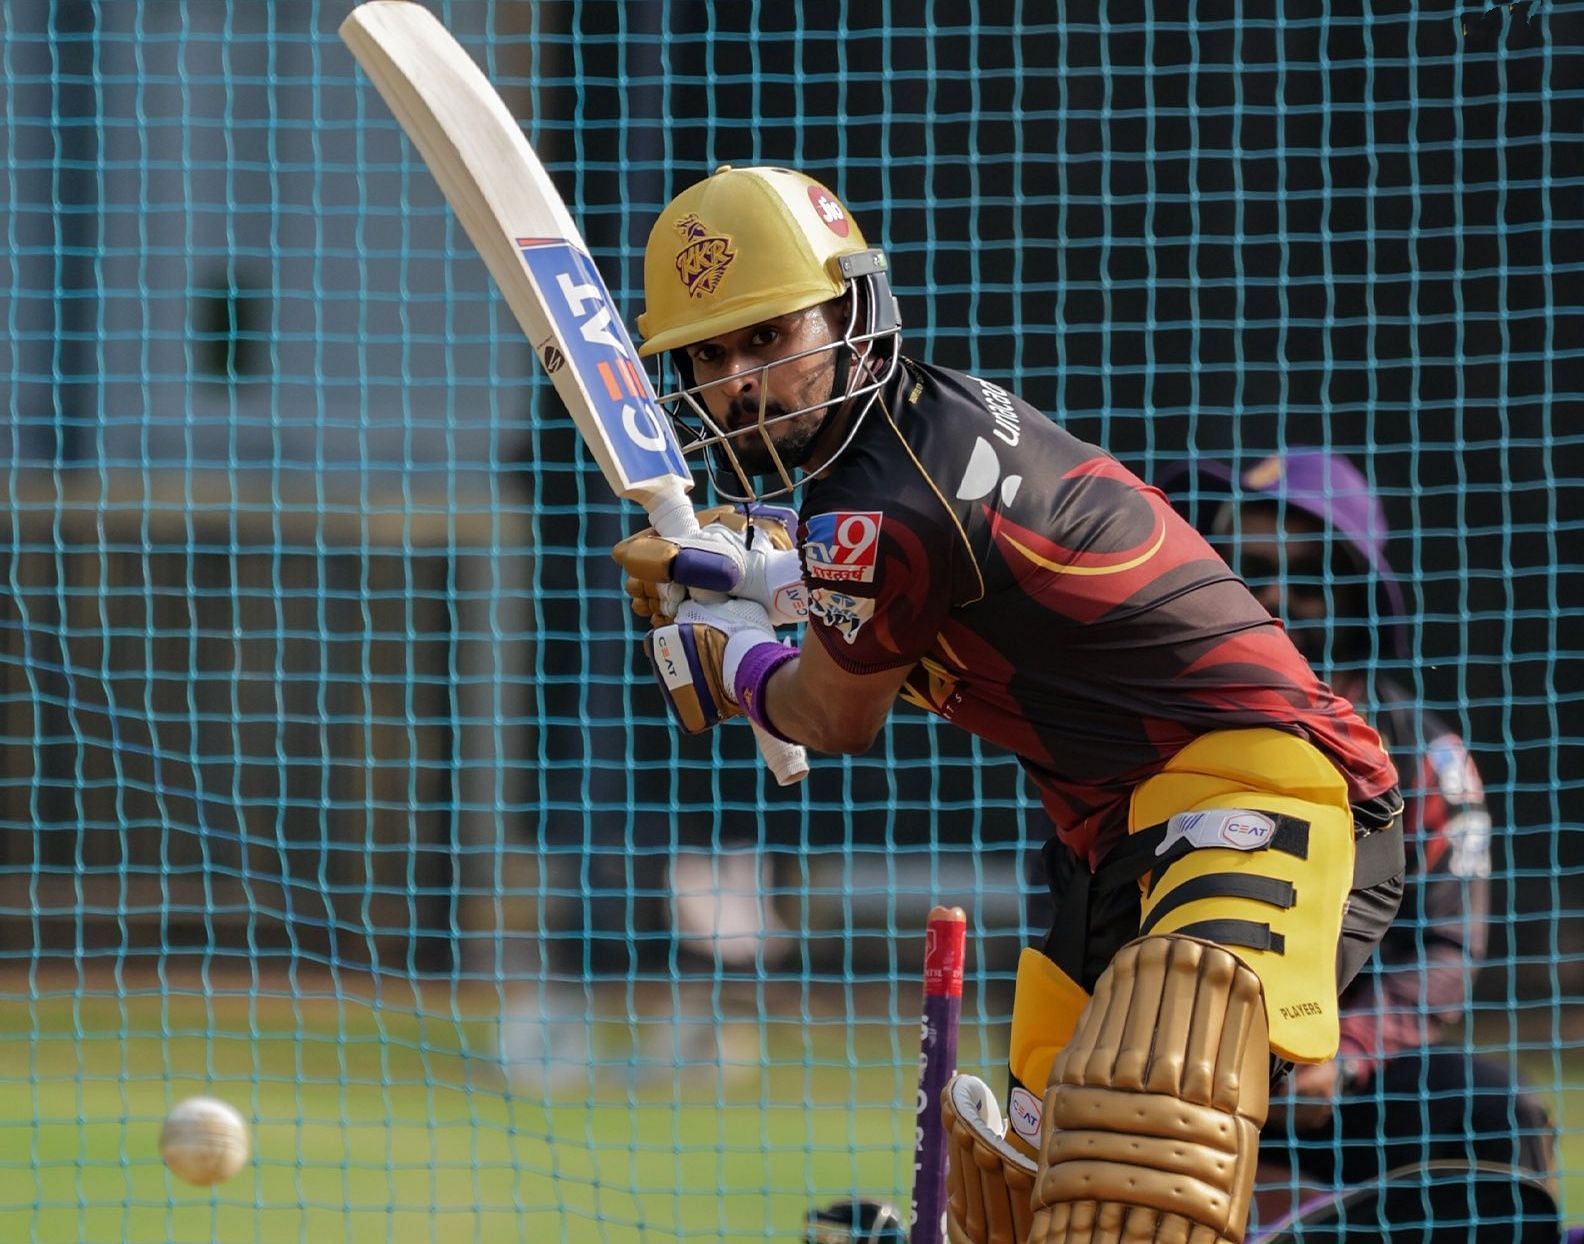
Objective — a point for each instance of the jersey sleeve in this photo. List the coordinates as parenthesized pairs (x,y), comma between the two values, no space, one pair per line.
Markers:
(879,583)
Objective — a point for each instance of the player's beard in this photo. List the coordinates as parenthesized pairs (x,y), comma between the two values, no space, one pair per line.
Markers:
(752,428)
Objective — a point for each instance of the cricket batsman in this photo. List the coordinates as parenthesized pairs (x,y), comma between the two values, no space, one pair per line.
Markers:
(1226,848)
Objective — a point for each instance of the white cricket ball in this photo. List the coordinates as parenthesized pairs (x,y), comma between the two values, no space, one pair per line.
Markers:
(204,1141)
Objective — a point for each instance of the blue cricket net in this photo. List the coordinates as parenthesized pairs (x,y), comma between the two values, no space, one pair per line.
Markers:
(334,782)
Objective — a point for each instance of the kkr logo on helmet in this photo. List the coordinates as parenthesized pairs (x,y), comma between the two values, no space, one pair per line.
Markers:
(703,261)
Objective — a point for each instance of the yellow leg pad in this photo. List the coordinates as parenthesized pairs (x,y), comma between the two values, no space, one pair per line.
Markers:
(1299,978)
(1045,1011)
(1153,1110)
(1270,772)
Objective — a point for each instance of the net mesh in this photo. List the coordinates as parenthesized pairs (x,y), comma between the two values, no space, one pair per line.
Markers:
(333,784)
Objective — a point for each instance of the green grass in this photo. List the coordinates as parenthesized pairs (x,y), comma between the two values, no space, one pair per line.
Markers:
(379,1122)
(378,1119)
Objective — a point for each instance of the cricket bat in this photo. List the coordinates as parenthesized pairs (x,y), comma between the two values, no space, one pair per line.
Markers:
(522,230)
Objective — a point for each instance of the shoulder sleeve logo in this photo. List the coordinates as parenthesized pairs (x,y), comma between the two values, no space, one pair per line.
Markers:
(843,613)
(702,263)
(842,545)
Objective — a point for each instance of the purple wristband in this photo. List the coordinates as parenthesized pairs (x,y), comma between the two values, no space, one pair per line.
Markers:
(753,672)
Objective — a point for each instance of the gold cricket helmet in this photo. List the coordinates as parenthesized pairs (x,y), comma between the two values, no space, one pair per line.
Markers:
(742,246)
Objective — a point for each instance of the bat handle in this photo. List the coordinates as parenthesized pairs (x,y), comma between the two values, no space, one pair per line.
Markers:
(788,761)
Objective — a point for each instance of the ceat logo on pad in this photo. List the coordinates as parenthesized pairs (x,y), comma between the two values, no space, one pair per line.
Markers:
(1024,1111)
(1247,831)
(830,211)
(842,546)
(1240,828)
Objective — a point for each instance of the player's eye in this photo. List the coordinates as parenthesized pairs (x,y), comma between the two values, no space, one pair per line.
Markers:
(704,354)
(765,335)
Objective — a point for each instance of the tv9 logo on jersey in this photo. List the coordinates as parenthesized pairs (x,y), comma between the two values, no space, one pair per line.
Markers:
(842,546)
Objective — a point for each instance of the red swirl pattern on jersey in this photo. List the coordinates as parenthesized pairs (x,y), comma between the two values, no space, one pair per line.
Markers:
(1052,603)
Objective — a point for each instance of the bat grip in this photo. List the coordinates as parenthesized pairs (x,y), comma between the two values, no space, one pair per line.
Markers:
(788,761)
(672,514)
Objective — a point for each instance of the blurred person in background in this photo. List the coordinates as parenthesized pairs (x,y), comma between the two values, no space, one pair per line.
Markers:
(669,928)
(1308,536)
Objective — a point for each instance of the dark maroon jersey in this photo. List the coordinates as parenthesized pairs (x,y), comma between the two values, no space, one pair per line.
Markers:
(1049,601)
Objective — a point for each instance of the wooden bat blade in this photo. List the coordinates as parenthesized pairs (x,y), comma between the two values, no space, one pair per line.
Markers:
(516,220)
(518,224)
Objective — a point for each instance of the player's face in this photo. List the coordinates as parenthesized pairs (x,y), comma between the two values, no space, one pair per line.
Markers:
(752,382)
(1286,561)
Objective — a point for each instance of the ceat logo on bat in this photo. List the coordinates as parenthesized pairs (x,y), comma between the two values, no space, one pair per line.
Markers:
(601,353)
(841,546)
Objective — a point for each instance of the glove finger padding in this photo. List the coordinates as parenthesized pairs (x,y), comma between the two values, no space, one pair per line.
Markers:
(1152,1114)
(653,602)
(751,555)
(695,658)
(647,557)
(988,1182)
(687,661)
(658,567)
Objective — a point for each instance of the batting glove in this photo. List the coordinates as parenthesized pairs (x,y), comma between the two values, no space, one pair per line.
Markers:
(700,658)
(989,1178)
(751,555)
